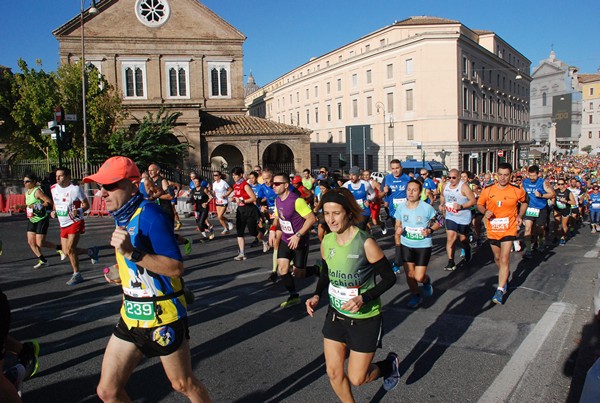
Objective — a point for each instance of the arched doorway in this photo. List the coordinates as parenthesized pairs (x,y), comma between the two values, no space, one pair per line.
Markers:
(278,158)
(225,157)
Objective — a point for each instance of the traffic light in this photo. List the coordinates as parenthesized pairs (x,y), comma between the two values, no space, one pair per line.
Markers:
(66,142)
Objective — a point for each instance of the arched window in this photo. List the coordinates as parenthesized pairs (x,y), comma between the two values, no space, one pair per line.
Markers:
(134,76)
(543,99)
(220,81)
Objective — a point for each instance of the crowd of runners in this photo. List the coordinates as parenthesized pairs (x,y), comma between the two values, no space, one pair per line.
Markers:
(516,211)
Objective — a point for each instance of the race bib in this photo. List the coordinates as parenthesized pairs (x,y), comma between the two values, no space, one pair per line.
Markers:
(286,227)
(532,212)
(560,205)
(398,202)
(62,211)
(450,208)
(596,206)
(499,224)
(360,202)
(29,212)
(338,296)
(139,310)
(414,234)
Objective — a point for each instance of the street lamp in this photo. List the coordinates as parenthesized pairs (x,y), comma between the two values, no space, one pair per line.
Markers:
(379,105)
(92,11)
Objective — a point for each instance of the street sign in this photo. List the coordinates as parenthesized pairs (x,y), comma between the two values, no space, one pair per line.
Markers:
(71,117)
(523,155)
(474,155)
(48,131)
(500,153)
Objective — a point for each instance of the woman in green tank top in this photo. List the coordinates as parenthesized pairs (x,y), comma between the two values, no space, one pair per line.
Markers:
(351,261)
(38,204)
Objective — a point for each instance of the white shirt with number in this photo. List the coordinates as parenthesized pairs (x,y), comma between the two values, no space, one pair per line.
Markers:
(67,201)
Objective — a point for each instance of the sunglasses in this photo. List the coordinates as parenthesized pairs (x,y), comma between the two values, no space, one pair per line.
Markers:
(321,172)
(27,181)
(108,188)
(452,177)
(278,183)
(561,183)
(216,176)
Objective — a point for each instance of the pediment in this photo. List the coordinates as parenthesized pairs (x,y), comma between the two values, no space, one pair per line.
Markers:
(546,69)
(188,20)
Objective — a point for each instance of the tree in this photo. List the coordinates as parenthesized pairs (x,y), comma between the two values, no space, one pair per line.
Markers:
(152,142)
(34,96)
(104,109)
(587,149)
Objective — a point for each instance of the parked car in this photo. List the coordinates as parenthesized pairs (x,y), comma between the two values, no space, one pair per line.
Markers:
(378,176)
(436,169)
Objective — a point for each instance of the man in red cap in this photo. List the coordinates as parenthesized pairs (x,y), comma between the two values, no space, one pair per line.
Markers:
(153,318)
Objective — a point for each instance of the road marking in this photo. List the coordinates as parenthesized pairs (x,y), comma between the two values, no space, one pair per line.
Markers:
(506,382)
(594,252)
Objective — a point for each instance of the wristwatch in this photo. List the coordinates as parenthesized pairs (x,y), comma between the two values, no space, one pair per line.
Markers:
(136,256)
(299,235)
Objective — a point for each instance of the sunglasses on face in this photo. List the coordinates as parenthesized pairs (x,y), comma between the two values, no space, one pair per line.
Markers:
(561,183)
(278,183)
(108,188)
(27,181)
(452,177)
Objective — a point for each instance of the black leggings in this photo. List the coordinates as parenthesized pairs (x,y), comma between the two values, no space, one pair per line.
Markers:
(201,217)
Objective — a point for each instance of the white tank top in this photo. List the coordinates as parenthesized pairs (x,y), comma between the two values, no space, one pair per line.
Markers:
(452,196)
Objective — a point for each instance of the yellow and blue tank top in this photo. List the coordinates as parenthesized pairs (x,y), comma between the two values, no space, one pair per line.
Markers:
(150,299)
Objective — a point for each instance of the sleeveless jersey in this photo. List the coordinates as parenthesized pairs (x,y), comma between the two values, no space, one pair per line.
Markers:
(307,183)
(150,299)
(350,273)
(576,193)
(291,213)
(530,188)
(563,195)
(397,193)
(239,191)
(360,194)
(38,212)
(451,196)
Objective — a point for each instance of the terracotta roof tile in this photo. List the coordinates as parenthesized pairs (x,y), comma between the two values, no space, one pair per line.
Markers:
(425,20)
(588,78)
(235,125)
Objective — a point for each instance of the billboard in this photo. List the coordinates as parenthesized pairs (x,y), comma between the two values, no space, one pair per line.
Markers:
(561,114)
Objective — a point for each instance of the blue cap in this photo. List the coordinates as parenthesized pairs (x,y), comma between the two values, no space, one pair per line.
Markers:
(321,177)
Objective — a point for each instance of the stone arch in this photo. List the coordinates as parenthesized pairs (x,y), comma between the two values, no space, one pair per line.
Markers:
(278,156)
(226,156)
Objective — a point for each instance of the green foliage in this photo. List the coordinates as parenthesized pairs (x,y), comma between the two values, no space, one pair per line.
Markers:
(587,149)
(152,142)
(33,96)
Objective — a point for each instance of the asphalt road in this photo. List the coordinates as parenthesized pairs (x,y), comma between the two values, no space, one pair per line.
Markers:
(457,347)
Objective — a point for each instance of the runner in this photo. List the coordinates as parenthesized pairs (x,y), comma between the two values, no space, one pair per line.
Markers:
(428,192)
(267,201)
(455,201)
(153,318)
(257,188)
(538,192)
(376,202)
(563,202)
(351,260)
(38,204)
(221,192)
(502,216)
(415,223)
(295,220)
(200,198)
(575,213)
(363,193)
(69,205)
(595,209)
(394,191)
(246,213)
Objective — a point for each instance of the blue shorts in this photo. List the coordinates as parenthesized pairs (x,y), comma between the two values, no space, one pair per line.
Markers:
(463,229)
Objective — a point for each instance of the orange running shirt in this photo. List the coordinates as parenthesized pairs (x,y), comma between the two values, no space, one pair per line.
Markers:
(504,204)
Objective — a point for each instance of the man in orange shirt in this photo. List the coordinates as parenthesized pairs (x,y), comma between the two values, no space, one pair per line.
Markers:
(502,215)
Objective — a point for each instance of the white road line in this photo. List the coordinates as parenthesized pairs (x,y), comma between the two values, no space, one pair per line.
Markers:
(506,382)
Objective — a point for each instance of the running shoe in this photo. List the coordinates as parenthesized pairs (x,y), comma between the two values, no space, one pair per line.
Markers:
(16,375)
(225,232)
(528,254)
(266,246)
(391,381)
(93,254)
(76,278)
(427,288)
(497,298)
(292,300)
(41,263)
(229,225)
(517,246)
(468,255)
(211,234)
(187,245)
(29,357)
(462,253)
(62,254)
(273,277)
(177,225)
(593,230)
(383,228)
(562,242)
(451,266)
(396,268)
(414,301)
(204,234)
(240,256)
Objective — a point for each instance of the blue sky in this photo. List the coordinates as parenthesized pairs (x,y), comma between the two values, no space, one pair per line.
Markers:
(283,34)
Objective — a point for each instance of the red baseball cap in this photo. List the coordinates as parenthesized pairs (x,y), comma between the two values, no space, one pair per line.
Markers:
(297,179)
(113,170)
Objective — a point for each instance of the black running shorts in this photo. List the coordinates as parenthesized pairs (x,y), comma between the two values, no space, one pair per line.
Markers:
(155,341)
(40,227)
(418,256)
(298,255)
(360,335)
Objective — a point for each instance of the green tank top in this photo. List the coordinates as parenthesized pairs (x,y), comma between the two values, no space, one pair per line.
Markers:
(350,274)
(307,183)
(38,212)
